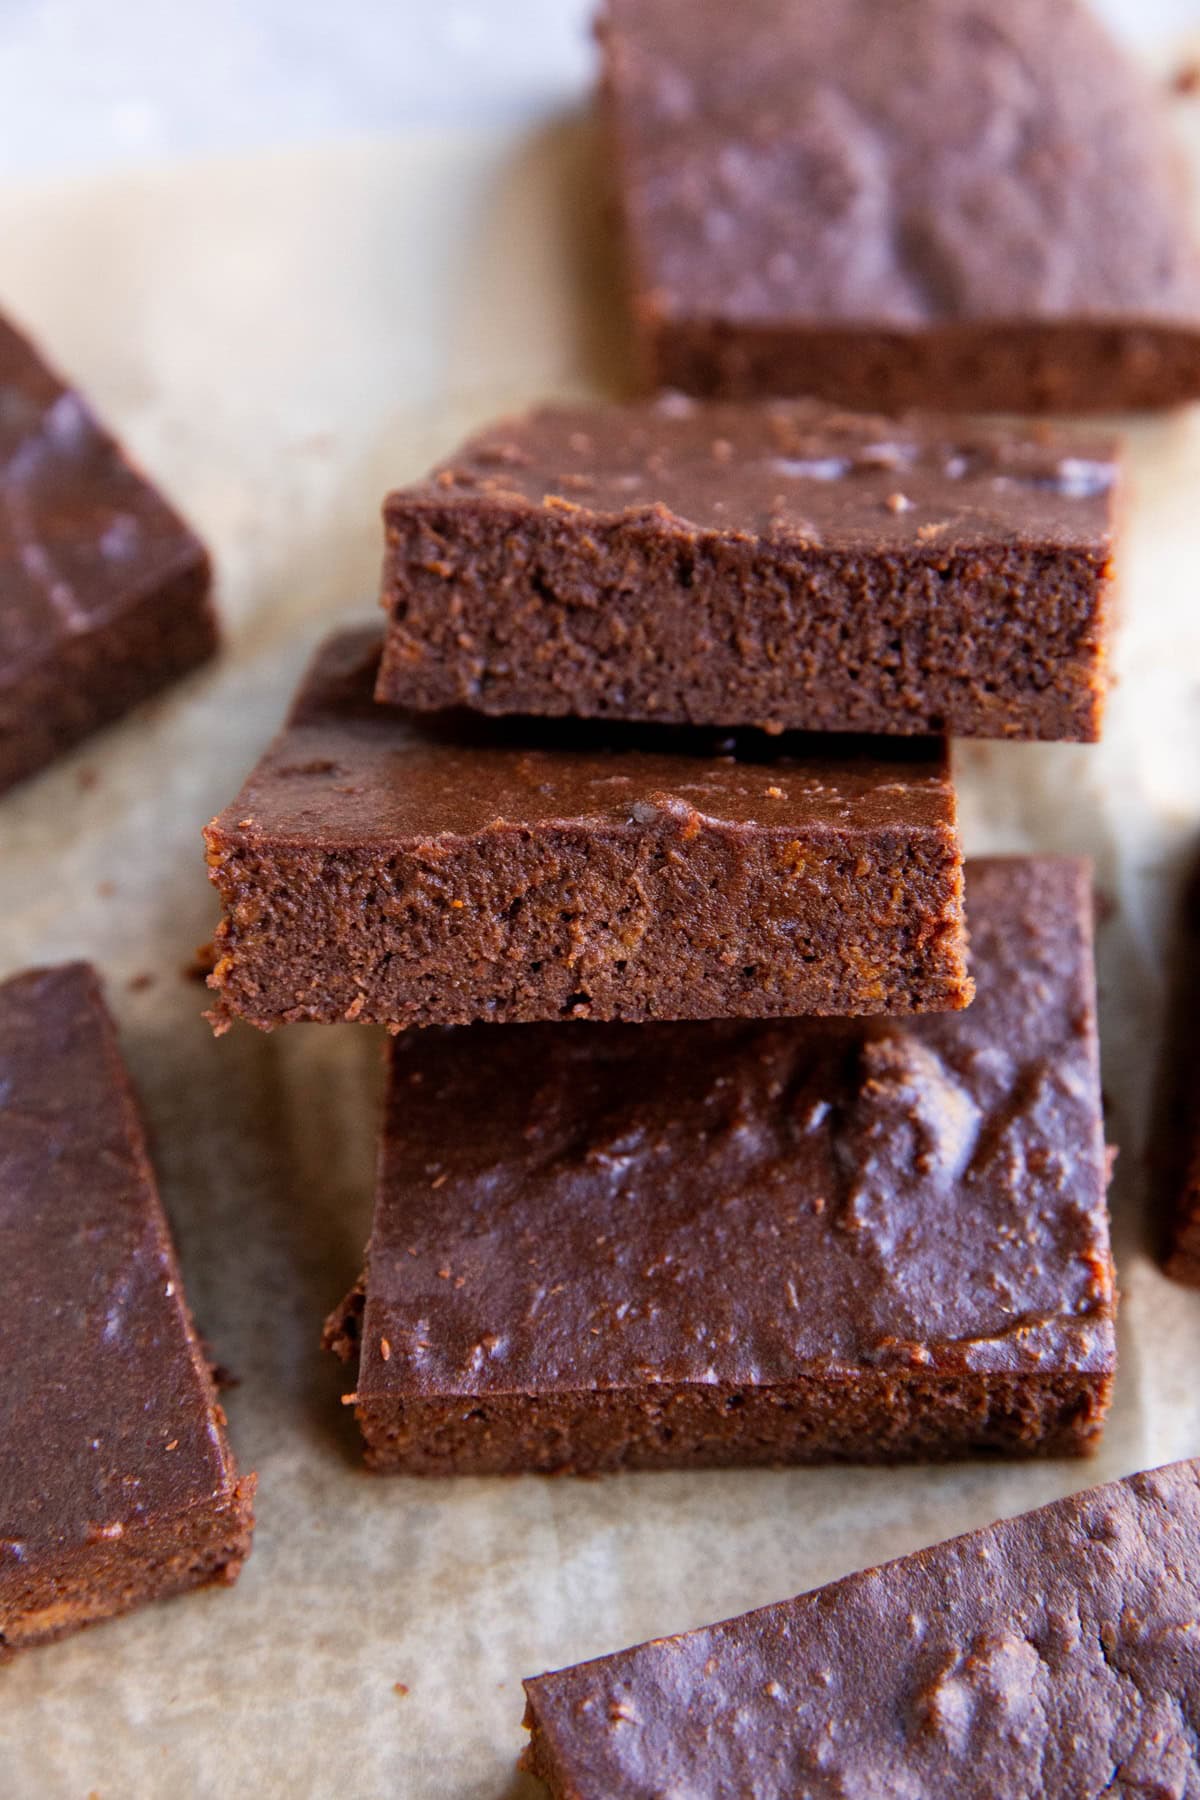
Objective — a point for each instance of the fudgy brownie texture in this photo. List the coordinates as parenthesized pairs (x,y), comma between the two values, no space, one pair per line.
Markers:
(1055,1654)
(104,592)
(387,867)
(786,566)
(116,1481)
(940,204)
(684,1245)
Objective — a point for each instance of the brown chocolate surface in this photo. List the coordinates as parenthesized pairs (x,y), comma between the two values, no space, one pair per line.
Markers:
(936,202)
(788,566)
(674,1245)
(388,868)
(1053,1654)
(116,1480)
(104,592)
(1175,1137)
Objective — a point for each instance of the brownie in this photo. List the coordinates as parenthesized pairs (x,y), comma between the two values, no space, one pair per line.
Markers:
(1175,1132)
(406,869)
(1183,1250)
(943,204)
(116,1481)
(1053,1654)
(104,592)
(693,1244)
(786,566)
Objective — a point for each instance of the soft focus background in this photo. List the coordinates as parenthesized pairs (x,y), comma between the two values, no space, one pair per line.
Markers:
(293,252)
(84,84)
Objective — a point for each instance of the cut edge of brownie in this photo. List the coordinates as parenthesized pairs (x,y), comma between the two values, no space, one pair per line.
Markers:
(203,1545)
(59,702)
(909,667)
(1028,367)
(868,1418)
(1173,1142)
(276,985)
(900,884)
(834,1417)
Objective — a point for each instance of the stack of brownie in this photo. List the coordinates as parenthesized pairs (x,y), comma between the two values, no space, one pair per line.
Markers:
(701,1161)
(641,806)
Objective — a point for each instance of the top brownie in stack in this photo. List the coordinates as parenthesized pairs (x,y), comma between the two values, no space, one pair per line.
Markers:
(788,566)
(952,204)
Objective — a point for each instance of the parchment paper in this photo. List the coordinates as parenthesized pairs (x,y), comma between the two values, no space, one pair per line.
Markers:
(280,339)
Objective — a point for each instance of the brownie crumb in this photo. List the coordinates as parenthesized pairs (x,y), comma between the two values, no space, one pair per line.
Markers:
(1105,904)
(202,963)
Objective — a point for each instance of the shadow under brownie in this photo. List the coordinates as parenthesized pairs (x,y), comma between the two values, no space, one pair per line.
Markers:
(690,1245)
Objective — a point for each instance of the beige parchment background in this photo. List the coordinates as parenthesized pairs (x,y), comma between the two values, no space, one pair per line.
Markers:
(279,339)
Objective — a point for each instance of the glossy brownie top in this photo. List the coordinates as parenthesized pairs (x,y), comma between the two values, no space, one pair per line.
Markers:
(82,533)
(611,1205)
(346,771)
(107,1417)
(799,474)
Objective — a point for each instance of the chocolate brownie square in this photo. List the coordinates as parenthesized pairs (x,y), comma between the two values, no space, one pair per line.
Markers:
(104,591)
(940,204)
(678,1246)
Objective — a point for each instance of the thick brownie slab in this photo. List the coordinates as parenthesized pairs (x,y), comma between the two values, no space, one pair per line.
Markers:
(385,867)
(104,592)
(116,1481)
(1053,1654)
(680,1245)
(940,204)
(786,566)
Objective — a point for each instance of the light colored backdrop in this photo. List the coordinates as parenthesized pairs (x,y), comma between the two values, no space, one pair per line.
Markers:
(85,84)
